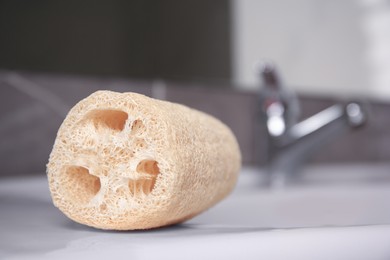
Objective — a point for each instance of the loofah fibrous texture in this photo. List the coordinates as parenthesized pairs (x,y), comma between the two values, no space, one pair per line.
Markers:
(124,161)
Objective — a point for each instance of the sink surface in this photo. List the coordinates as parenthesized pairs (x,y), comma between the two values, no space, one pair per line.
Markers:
(324,196)
(333,212)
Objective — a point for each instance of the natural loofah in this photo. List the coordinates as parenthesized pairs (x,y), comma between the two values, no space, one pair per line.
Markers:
(126,161)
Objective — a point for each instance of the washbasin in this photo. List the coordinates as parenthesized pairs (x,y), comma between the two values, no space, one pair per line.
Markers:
(324,215)
(331,195)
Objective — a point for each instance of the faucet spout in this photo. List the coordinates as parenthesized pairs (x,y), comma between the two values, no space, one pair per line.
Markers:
(291,143)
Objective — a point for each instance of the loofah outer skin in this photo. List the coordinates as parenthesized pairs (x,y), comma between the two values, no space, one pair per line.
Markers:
(124,161)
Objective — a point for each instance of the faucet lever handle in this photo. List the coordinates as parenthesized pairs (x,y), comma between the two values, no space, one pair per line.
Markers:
(274,94)
(269,75)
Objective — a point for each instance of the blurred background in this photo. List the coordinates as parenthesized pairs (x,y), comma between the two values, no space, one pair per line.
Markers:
(184,40)
(201,53)
(204,54)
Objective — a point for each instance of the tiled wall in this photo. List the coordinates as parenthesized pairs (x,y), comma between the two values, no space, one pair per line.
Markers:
(33,106)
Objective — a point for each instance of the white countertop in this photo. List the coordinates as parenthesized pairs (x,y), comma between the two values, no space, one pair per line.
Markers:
(314,222)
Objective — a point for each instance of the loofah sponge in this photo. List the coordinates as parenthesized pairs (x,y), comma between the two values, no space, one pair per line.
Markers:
(125,161)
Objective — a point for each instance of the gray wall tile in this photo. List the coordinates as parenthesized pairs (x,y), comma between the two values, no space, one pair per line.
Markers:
(29,122)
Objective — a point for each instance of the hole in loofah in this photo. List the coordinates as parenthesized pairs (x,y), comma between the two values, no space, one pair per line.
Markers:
(141,186)
(113,119)
(80,185)
(144,185)
(137,127)
(148,166)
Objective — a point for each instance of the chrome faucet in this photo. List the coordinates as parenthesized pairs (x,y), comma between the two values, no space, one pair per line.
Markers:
(289,142)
